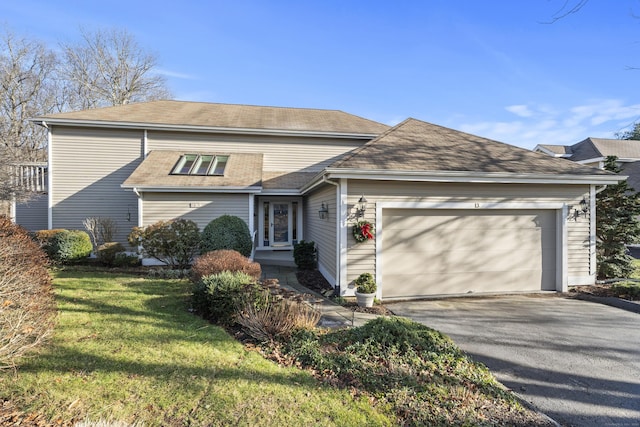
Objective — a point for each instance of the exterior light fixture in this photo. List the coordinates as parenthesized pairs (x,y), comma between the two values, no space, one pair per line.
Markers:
(583,210)
(361,207)
(324,211)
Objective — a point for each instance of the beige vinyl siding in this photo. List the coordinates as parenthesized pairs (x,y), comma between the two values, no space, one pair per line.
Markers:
(362,257)
(285,153)
(322,231)
(578,255)
(33,214)
(198,207)
(87,167)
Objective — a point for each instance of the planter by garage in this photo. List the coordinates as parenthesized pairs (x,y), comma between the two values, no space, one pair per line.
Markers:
(365,300)
(365,290)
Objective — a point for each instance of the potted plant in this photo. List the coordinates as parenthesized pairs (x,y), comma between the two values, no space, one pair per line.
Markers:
(365,290)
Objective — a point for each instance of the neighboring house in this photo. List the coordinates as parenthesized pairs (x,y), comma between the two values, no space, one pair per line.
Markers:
(454,213)
(594,151)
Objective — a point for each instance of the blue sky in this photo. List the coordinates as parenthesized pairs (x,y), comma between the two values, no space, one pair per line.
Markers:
(495,68)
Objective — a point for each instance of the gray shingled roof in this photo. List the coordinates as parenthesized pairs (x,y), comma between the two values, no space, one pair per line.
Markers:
(242,170)
(593,148)
(414,145)
(208,115)
(557,149)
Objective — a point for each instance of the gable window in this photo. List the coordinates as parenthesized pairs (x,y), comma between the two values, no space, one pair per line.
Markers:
(200,164)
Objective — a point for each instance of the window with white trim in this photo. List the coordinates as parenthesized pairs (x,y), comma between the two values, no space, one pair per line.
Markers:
(201,164)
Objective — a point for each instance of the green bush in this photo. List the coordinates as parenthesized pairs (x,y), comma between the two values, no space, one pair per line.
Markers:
(365,284)
(174,242)
(227,232)
(218,296)
(69,246)
(43,238)
(304,255)
(106,253)
(627,290)
(415,371)
(223,260)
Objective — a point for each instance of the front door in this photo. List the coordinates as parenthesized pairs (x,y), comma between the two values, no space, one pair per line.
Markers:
(279,222)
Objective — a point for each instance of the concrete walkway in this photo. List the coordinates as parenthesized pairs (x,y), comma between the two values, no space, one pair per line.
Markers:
(332,315)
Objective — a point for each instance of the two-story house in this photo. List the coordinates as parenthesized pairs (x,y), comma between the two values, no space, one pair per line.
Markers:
(453,213)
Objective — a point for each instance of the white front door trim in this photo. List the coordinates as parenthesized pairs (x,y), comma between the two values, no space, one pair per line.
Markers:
(269,236)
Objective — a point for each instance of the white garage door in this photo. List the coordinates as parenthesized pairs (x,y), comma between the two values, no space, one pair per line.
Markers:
(437,251)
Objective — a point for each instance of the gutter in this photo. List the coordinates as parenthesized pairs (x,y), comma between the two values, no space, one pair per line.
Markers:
(137,189)
(190,128)
(474,177)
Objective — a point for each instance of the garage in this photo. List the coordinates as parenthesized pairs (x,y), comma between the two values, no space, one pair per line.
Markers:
(459,251)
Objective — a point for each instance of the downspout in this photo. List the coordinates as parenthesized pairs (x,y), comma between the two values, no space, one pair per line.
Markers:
(338,231)
(49,177)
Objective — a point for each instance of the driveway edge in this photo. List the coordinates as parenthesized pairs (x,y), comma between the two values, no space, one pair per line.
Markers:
(623,304)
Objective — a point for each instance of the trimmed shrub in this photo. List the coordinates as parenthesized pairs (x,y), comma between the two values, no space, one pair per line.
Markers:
(107,252)
(223,260)
(174,242)
(43,238)
(365,284)
(26,299)
(305,255)
(217,297)
(227,232)
(70,246)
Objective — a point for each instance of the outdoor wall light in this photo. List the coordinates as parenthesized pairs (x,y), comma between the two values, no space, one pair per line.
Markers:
(324,211)
(361,207)
(583,210)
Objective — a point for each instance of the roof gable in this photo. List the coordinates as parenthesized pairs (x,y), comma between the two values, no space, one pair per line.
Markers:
(414,145)
(594,148)
(223,116)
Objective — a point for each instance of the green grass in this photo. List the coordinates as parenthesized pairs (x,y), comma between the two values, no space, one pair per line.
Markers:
(126,348)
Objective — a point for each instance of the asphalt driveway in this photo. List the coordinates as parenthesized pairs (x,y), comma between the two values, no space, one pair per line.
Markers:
(577,361)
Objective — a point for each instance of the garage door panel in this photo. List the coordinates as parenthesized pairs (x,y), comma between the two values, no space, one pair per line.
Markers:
(412,286)
(412,241)
(435,251)
(451,219)
(442,261)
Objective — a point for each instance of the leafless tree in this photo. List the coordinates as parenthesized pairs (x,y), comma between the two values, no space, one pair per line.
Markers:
(107,68)
(27,89)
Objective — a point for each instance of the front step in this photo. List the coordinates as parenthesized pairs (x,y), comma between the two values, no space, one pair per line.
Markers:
(282,258)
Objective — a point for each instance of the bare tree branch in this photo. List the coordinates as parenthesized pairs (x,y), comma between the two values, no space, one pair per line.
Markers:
(109,68)
(566,10)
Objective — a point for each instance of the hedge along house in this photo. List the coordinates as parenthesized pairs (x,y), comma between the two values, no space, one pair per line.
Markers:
(453,213)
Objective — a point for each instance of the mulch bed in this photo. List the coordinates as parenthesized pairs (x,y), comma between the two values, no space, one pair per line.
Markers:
(600,291)
(315,281)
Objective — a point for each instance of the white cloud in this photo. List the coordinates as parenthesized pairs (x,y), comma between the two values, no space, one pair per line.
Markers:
(520,110)
(537,124)
(175,74)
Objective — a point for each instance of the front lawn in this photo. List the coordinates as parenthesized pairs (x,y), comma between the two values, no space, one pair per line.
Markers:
(126,348)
